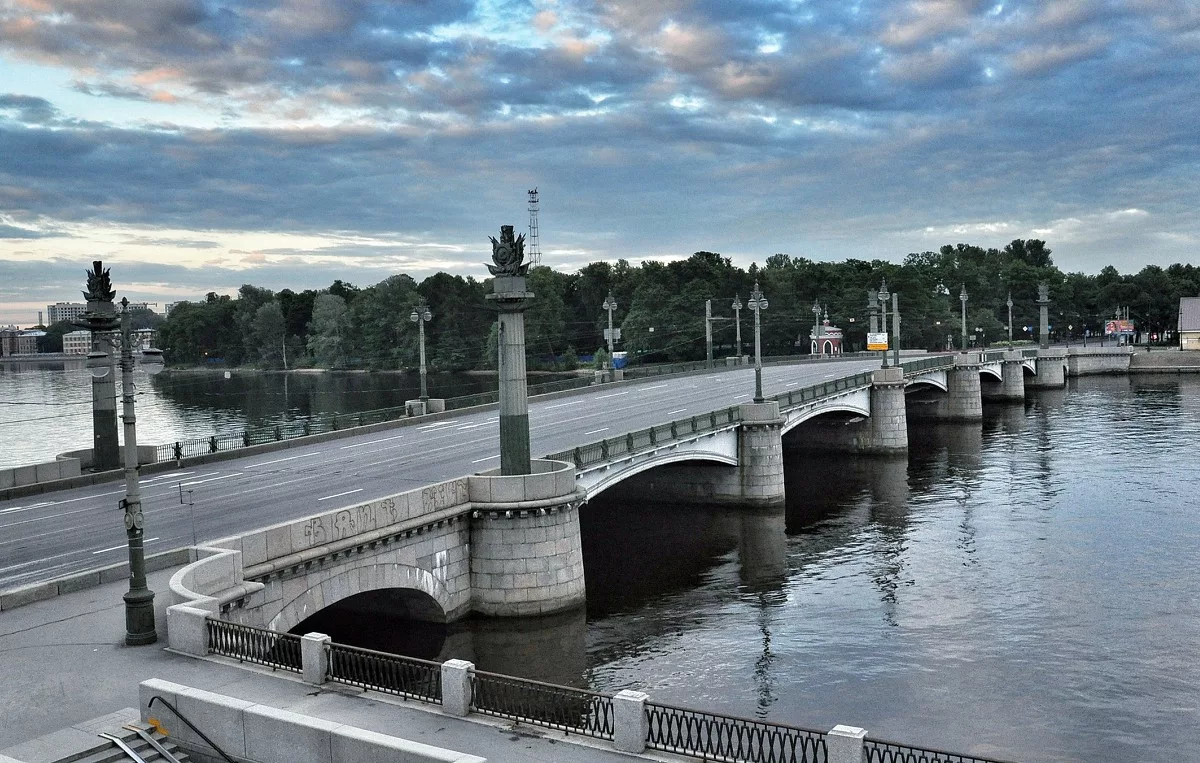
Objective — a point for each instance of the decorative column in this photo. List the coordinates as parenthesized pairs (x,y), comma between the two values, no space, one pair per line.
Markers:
(101,320)
(510,298)
(1043,302)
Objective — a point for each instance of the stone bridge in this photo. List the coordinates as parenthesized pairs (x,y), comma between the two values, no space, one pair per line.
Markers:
(510,546)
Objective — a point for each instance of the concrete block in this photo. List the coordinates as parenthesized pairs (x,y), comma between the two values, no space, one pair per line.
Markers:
(187,629)
(19,597)
(24,475)
(314,657)
(47,471)
(354,745)
(630,725)
(281,736)
(844,744)
(7,479)
(279,541)
(508,489)
(221,718)
(456,687)
(479,489)
(78,582)
(254,548)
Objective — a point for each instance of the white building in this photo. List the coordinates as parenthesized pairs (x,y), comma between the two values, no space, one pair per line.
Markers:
(77,342)
(65,311)
(1189,323)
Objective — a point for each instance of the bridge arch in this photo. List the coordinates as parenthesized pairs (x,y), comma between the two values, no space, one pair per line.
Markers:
(351,582)
(992,370)
(845,405)
(618,473)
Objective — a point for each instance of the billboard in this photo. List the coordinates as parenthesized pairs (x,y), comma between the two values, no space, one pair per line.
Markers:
(1112,328)
(877,341)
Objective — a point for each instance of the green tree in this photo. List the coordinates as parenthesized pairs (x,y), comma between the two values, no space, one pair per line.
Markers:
(329,331)
(270,334)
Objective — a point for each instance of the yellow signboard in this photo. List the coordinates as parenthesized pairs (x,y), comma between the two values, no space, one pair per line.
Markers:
(877,341)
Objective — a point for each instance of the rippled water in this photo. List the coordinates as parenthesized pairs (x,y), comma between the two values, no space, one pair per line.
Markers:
(45,406)
(1027,589)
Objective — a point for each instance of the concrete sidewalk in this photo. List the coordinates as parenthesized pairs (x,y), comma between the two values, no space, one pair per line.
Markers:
(63,661)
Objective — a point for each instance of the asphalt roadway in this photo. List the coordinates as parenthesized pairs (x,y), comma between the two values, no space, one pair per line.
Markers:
(54,534)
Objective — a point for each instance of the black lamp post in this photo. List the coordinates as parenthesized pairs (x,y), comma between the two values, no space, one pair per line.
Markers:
(884,296)
(757,303)
(737,322)
(420,316)
(962,296)
(610,304)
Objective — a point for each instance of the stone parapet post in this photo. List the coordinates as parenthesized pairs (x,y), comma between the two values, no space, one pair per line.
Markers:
(456,687)
(963,400)
(1051,369)
(630,725)
(760,455)
(844,744)
(187,630)
(1012,388)
(888,432)
(314,657)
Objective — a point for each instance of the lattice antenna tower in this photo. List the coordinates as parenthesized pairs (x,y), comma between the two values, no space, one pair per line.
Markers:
(535,249)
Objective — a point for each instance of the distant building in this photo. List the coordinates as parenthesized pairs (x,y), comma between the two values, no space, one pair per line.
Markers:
(1189,323)
(65,311)
(77,342)
(8,340)
(826,339)
(27,342)
(172,305)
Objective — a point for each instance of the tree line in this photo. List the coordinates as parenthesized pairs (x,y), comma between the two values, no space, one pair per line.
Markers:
(661,309)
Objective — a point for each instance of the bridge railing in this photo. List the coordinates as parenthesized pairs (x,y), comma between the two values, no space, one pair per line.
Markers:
(1031,353)
(879,751)
(824,389)
(727,738)
(629,444)
(577,711)
(927,364)
(992,357)
(384,672)
(245,643)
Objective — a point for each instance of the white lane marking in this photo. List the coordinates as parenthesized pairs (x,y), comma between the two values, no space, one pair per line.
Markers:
(647,389)
(280,460)
(596,431)
(169,476)
(739,397)
(558,405)
(371,442)
(339,495)
(614,394)
(44,504)
(679,410)
(465,427)
(212,479)
(118,548)
(826,376)
(481,460)
(438,424)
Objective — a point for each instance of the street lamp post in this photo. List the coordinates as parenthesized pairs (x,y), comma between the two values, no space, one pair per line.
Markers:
(883,310)
(420,316)
(1009,302)
(962,295)
(139,599)
(610,304)
(816,308)
(757,303)
(737,323)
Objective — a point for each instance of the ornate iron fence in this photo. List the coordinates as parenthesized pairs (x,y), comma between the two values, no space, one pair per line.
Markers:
(385,673)
(824,389)
(247,643)
(927,364)
(878,751)
(558,707)
(727,738)
(1031,353)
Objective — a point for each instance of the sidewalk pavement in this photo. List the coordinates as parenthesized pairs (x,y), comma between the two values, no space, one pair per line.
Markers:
(64,661)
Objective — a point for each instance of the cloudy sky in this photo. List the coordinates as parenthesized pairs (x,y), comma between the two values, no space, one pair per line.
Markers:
(195,145)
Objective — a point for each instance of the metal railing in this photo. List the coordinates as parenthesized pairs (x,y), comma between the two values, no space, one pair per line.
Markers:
(577,711)
(992,357)
(824,389)
(727,738)
(644,439)
(927,364)
(1031,353)
(247,643)
(879,751)
(386,673)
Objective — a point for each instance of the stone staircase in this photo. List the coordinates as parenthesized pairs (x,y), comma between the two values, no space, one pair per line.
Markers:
(94,742)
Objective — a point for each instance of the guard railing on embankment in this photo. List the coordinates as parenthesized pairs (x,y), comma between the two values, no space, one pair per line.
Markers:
(668,728)
(173,451)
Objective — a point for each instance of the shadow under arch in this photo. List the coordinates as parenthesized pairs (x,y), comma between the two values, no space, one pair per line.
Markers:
(419,592)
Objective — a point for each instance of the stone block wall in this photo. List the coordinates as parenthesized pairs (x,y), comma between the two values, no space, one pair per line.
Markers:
(526,562)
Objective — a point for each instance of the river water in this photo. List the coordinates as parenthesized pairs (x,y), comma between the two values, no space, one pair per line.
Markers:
(1027,588)
(46,406)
